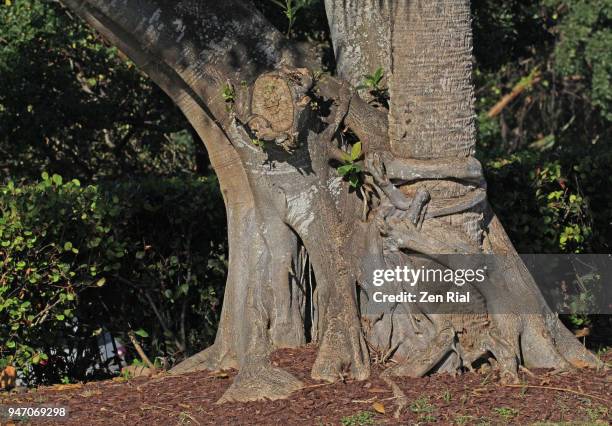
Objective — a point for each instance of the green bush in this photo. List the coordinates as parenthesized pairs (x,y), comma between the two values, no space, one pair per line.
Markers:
(76,261)
(547,153)
(72,104)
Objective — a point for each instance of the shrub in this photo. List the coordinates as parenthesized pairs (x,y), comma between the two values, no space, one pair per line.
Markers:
(76,261)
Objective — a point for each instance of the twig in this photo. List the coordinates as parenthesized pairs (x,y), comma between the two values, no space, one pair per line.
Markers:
(557,389)
(186,414)
(367,401)
(519,88)
(141,353)
(318,385)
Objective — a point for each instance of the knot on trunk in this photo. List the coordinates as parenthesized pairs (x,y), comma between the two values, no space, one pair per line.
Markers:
(278,101)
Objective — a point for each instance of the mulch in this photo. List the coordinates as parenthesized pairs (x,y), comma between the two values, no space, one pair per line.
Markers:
(472,398)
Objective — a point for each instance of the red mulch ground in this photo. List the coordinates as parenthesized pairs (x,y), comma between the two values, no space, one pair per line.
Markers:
(472,398)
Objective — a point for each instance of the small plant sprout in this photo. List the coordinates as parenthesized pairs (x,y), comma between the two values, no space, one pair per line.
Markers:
(505,412)
(350,170)
(363,418)
(291,8)
(421,405)
(258,142)
(372,81)
(228,93)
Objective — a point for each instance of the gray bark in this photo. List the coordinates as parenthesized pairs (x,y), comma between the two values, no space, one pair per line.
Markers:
(288,194)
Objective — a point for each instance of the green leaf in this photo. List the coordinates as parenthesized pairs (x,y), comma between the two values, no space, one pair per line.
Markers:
(344,170)
(378,74)
(346,157)
(184,289)
(279,4)
(57,179)
(101,282)
(141,333)
(356,151)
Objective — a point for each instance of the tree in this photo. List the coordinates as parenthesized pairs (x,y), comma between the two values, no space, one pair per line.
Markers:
(274,131)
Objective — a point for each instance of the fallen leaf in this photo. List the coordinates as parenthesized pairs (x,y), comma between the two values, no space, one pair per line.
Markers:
(8,376)
(219,375)
(578,363)
(378,390)
(583,332)
(136,371)
(89,393)
(66,386)
(378,407)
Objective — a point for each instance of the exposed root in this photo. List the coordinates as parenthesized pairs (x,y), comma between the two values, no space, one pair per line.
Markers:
(398,394)
(207,359)
(258,383)
(546,343)
(341,353)
(526,371)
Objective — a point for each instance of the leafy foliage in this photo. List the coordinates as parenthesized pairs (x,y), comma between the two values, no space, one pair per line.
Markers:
(549,148)
(546,154)
(76,260)
(45,231)
(372,81)
(373,84)
(291,8)
(116,251)
(585,38)
(228,93)
(363,418)
(69,102)
(350,170)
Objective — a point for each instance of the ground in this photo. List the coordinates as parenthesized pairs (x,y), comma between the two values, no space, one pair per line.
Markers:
(581,397)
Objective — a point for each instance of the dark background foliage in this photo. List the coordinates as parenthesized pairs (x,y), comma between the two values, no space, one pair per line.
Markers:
(111,220)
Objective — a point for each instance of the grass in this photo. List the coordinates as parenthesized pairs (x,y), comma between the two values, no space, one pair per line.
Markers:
(363,418)
(463,420)
(596,413)
(424,409)
(506,413)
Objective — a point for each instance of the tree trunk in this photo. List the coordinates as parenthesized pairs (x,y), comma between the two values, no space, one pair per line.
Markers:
(276,150)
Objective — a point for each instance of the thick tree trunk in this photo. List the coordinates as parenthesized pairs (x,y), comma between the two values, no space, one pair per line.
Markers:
(431,118)
(287,195)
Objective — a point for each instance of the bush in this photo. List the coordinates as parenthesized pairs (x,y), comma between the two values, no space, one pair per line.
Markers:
(76,261)
(70,103)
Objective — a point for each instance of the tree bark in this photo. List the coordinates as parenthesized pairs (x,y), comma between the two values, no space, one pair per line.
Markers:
(243,89)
